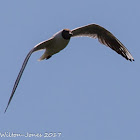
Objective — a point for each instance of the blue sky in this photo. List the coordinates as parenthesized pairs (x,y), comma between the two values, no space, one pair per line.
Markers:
(87,91)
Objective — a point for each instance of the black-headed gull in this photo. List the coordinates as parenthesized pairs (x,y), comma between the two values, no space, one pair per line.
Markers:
(61,39)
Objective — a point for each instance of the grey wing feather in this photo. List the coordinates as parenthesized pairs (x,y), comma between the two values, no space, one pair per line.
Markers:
(19,76)
(40,46)
(104,37)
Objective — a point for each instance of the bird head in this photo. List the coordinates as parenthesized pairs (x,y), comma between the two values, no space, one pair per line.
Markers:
(66,34)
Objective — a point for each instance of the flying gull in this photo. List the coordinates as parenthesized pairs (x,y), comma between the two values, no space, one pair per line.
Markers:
(61,39)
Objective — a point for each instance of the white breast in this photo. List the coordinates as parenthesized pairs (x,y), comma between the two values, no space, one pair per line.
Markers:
(59,43)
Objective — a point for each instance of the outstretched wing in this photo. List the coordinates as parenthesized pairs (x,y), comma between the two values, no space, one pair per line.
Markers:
(40,46)
(104,37)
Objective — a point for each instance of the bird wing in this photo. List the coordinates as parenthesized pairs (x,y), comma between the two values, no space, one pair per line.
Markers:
(104,37)
(40,46)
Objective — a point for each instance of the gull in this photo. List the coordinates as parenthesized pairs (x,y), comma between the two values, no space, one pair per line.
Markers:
(61,39)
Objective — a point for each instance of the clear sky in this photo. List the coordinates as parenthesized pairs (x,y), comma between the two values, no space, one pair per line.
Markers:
(87,91)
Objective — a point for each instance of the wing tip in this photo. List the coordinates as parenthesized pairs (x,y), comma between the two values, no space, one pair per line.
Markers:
(5,110)
(129,57)
(132,59)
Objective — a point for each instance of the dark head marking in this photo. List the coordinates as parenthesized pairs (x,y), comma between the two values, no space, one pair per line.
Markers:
(66,34)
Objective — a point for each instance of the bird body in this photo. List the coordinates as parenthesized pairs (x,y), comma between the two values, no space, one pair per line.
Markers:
(57,44)
(61,39)
(54,45)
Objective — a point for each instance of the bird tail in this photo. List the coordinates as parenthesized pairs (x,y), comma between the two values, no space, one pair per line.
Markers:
(44,56)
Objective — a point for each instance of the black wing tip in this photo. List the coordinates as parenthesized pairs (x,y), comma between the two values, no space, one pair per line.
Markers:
(7,106)
(131,59)
(5,109)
